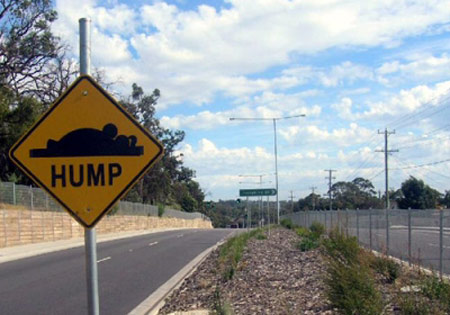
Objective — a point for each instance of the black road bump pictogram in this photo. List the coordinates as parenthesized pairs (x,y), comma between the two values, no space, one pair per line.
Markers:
(91,142)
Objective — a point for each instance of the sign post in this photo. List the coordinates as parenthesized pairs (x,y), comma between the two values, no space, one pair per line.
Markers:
(86,151)
(90,235)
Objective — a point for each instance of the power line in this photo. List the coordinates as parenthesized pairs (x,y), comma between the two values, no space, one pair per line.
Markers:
(423,174)
(426,106)
(373,177)
(422,165)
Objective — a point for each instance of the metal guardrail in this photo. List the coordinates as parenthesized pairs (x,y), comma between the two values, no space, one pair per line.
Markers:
(36,199)
(417,236)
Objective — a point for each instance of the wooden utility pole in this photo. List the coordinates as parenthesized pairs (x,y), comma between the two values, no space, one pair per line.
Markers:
(330,178)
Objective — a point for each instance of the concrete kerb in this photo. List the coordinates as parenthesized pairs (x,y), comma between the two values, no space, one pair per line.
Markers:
(29,250)
(152,304)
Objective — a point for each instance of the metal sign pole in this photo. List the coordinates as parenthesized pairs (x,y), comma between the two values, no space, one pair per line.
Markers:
(89,233)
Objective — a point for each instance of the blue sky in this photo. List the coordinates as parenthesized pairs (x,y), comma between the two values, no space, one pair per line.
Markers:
(351,67)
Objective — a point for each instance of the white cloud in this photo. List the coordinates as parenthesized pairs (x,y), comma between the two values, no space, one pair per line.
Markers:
(423,67)
(206,120)
(190,55)
(406,101)
(338,137)
(346,72)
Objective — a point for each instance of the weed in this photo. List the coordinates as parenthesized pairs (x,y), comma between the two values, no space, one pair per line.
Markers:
(220,306)
(231,252)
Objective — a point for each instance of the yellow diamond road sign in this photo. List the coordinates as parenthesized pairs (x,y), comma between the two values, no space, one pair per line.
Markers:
(86,151)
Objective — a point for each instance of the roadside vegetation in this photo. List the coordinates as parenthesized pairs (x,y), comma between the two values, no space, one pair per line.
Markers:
(360,282)
(231,252)
(230,255)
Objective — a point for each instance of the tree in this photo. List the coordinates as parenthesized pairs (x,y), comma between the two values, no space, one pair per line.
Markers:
(27,45)
(359,193)
(168,181)
(418,195)
(445,201)
(17,114)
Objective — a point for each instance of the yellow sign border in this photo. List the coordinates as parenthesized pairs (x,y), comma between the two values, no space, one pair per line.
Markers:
(48,112)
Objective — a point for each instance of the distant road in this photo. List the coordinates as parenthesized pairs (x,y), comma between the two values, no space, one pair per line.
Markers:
(129,270)
(424,244)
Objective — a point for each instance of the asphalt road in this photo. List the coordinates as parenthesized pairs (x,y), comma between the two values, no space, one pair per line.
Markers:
(129,271)
(424,245)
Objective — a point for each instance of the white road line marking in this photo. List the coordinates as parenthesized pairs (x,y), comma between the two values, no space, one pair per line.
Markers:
(130,250)
(104,259)
(154,243)
(180,235)
(437,245)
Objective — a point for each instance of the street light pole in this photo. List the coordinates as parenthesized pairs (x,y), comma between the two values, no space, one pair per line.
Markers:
(276,167)
(274,120)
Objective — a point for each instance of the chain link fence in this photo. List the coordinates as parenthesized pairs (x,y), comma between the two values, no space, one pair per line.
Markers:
(36,199)
(417,236)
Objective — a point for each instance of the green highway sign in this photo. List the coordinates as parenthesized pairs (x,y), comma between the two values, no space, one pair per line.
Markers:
(257,192)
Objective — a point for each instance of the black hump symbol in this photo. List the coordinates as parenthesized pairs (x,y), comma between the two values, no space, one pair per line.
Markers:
(91,142)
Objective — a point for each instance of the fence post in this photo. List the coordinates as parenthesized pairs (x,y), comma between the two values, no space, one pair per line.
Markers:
(441,240)
(357,224)
(370,228)
(14,193)
(409,235)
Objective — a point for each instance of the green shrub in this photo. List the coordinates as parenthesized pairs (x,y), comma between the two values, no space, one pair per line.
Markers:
(349,283)
(438,290)
(308,243)
(317,229)
(260,236)
(287,223)
(302,232)
(387,267)
(351,289)
(340,247)
(411,304)
(161,208)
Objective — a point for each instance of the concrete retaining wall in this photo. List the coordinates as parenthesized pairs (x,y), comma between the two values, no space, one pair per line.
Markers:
(19,227)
